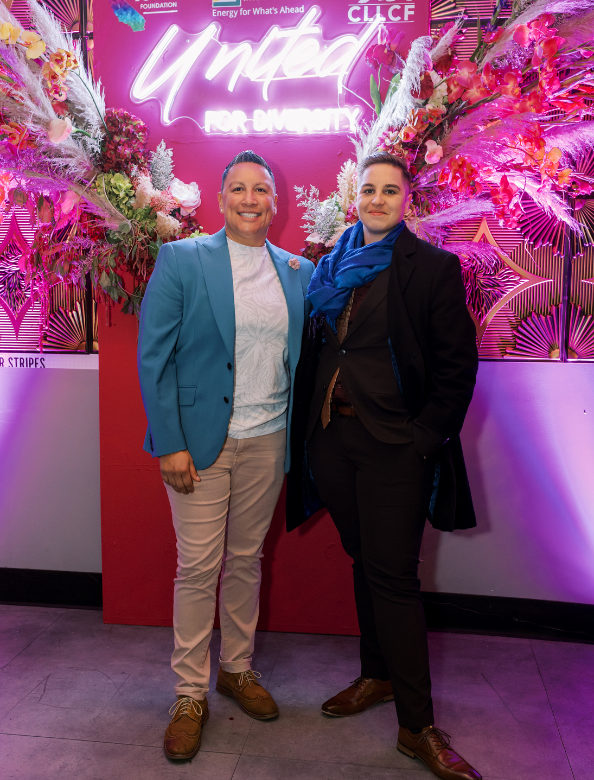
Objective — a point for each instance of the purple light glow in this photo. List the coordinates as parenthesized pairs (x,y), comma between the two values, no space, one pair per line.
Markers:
(529,451)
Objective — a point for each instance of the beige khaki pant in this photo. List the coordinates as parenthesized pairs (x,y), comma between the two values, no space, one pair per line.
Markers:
(222,525)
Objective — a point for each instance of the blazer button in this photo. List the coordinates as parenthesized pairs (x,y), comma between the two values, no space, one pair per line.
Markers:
(342,352)
(226,400)
(229,366)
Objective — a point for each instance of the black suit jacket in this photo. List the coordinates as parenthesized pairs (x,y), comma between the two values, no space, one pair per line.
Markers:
(434,358)
(366,371)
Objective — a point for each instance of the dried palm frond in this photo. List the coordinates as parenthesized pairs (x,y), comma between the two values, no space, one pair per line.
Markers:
(434,227)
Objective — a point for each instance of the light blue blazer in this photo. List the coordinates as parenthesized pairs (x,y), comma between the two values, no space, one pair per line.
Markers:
(186,344)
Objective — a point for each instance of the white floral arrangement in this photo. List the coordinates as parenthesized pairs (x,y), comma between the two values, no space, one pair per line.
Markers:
(326,220)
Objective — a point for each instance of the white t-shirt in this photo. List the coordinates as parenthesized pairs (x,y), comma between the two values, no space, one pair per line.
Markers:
(262,381)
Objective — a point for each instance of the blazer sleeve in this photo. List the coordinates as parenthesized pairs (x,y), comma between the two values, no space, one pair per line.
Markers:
(454,360)
(160,321)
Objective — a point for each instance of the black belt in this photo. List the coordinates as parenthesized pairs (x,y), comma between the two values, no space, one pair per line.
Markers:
(344,410)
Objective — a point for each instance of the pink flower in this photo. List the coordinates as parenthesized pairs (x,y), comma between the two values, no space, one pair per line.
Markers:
(546,48)
(522,35)
(378,55)
(59,109)
(491,36)
(426,88)
(476,91)
(511,84)
(294,264)
(59,129)
(390,36)
(69,201)
(445,63)
(434,152)
(466,71)
(186,195)
(407,133)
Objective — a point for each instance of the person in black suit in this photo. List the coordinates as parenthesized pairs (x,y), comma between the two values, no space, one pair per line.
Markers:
(386,377)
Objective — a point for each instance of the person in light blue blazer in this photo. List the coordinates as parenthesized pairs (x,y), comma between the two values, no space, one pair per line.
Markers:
(220,336)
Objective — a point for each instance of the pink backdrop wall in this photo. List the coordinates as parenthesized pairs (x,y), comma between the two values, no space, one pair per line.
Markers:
(306,574)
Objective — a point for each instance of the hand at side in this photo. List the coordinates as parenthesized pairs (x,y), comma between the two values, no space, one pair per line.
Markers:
(178,471)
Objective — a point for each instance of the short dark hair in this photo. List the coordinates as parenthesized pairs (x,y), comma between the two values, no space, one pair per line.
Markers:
(385,158)
(247,157)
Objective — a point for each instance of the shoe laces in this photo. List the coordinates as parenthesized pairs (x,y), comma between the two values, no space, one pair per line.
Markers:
(440,739)
(360,682)
(185,706)
(248,677)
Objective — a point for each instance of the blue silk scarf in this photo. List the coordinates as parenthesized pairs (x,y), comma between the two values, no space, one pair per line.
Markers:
(350,264)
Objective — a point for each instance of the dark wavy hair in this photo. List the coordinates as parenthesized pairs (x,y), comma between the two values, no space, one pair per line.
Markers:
(247,157)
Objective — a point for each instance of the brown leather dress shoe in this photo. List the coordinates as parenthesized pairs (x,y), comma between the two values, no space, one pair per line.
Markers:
(182,737)
(432,746)
(253,699)
(362,693)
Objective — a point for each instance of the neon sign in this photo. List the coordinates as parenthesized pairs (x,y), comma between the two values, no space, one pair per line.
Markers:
(397,12)
(290,120)
(290,54)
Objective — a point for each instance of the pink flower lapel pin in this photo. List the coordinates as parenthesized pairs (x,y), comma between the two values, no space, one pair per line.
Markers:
(294,263)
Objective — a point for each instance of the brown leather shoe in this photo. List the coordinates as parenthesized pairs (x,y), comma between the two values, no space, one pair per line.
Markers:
(182,737)
(362,693)
(432,746)
(248,693)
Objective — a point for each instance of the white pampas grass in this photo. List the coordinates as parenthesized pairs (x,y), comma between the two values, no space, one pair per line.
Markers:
(442,46)
(347,185)
(72,158)
(85,98)
(398,106)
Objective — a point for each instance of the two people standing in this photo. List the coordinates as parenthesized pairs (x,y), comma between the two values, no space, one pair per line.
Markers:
(376,408)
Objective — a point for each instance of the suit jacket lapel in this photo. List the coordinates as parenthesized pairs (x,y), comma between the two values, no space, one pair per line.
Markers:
(404,248)
(291,284)
(376,294)
(216,267)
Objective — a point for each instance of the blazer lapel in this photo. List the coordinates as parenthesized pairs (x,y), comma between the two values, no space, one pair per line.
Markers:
(291,284)
(377,292)
(216,267)
(404,247)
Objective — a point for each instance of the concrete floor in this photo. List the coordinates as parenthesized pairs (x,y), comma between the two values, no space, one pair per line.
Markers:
(80,700)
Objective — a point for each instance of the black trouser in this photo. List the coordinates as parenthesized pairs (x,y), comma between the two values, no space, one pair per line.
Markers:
(374,493)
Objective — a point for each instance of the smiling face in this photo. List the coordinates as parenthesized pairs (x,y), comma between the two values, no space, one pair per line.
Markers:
(248,201)
(383,197)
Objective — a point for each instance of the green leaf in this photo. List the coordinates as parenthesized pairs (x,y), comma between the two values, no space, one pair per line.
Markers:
(394,84)
(375,95)
(112,237)
(479,31)
(104,280)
